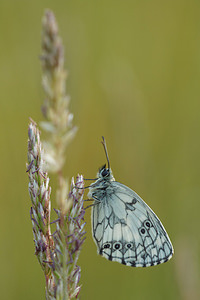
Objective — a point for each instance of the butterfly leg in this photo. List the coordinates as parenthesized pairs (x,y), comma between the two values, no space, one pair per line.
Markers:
(95,203)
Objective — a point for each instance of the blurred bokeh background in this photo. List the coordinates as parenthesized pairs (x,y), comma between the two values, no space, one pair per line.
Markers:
(134,77)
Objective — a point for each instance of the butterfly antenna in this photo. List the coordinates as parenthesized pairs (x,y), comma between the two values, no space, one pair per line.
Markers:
(106,151)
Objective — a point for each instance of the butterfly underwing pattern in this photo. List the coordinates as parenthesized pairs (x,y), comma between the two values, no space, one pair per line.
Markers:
(124,227)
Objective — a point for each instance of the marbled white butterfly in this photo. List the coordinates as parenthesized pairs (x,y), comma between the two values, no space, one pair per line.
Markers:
(125,229)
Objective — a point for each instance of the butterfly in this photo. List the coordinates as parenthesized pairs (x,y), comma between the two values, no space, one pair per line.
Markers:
(124,227)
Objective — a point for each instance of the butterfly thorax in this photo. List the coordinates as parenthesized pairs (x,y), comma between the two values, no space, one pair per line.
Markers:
(102,185)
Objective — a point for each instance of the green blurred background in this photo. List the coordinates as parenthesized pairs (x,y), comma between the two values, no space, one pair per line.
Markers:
(134,77)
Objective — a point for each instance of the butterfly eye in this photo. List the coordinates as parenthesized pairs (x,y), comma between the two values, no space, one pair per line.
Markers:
(105,172)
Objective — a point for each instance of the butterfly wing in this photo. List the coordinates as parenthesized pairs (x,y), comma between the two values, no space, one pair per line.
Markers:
(126,230)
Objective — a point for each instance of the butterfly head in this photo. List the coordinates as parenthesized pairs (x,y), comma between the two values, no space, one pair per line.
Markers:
(105,173)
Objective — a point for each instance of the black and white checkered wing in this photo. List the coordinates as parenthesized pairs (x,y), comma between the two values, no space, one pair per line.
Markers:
(126,230)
